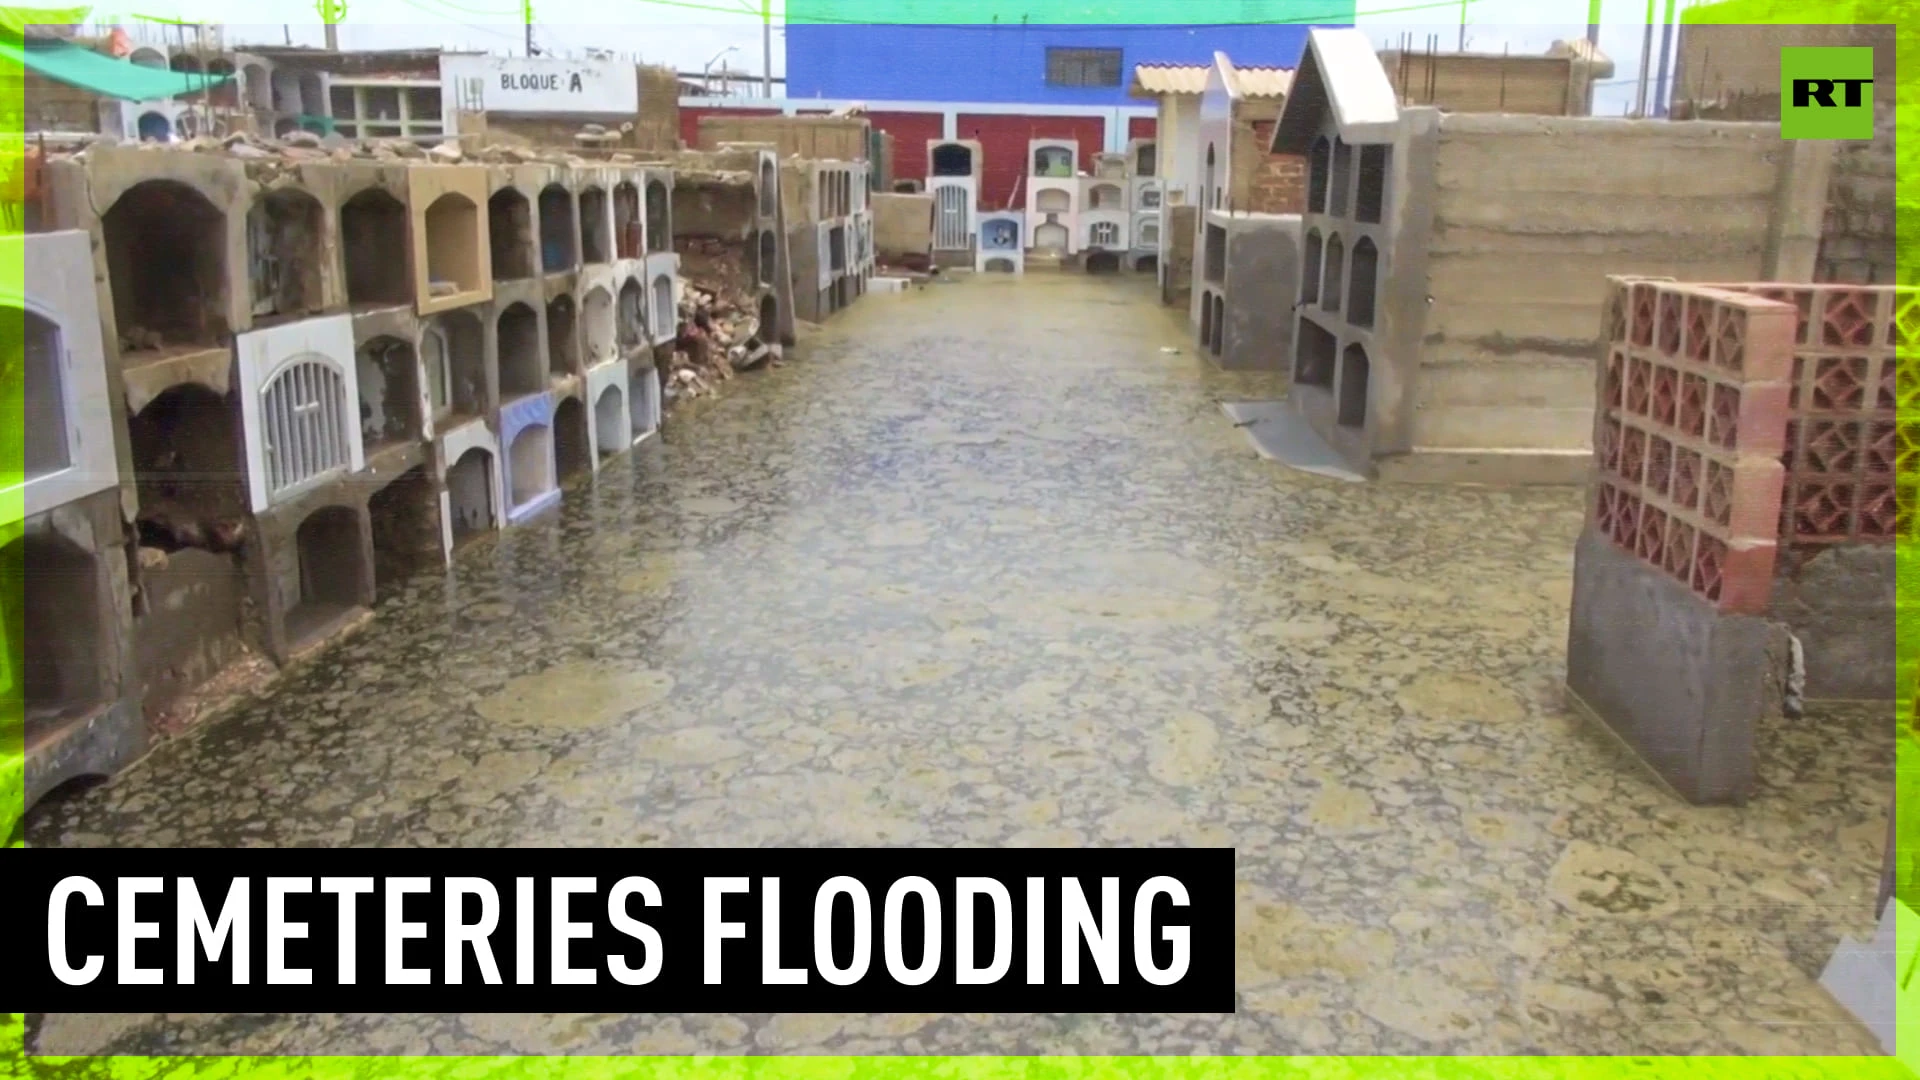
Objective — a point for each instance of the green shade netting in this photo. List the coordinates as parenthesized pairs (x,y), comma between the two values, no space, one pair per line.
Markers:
(89,70)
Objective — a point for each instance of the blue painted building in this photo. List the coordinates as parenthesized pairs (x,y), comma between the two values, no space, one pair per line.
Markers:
(1010,62)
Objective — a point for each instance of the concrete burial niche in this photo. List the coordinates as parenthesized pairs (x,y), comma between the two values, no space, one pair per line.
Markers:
(629,226)
(572,438)
(321,576)
(287,255)
(403,517)
(663,299)
(559,232)
(644,399)
(606,394)
(598,327)
(526,430)
(374,242)
(631,313)
(452,256)
(388,370)
(596,224)
(519,352)
(658,196)
(563,339)
(188,305)
(514,249)
(300,406)
(453,354)
(193,509)
(53,325)
(1423,246)
(64,566)
(472,500)
(1002,248)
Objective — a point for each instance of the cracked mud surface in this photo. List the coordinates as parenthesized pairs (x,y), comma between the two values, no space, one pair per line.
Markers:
(985,567)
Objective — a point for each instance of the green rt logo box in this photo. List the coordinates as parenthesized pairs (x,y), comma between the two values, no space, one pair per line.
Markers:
(1825,93)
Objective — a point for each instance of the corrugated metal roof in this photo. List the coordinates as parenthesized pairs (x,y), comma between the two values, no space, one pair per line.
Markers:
(1263,82)
(1156,80)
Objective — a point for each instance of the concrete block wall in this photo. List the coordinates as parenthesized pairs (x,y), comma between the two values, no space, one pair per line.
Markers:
(1857,240)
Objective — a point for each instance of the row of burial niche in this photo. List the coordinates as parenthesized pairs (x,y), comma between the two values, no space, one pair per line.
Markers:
(1331,180)
(1330,278)
(1318,358)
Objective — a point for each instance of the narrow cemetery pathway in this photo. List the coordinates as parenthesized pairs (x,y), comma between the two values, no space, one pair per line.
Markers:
(988,567)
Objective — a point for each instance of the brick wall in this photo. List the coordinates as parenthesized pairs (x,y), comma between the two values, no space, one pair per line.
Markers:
(1272,183)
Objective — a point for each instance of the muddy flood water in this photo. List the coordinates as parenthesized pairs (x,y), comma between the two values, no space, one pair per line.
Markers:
(986,566)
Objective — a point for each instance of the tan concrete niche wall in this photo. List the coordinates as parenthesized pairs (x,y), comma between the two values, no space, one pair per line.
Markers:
(448,211)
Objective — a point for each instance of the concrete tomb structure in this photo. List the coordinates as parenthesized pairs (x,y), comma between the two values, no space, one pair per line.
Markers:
(1054,198)
(1443,328)
(1246,264)
(953,179)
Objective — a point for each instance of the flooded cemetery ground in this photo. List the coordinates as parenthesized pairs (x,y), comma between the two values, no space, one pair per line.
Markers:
(987,566)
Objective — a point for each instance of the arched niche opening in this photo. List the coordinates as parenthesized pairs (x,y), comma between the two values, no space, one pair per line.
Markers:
(598,327)
(596,230)
(453,245)
(572,445)
(470,495)
(563,338)
(167,266)
(659,229)
(627,230)
(286,251)
(521,369)
(557,231)
(510,235)
(373,239)
(1353,386)
(389,379)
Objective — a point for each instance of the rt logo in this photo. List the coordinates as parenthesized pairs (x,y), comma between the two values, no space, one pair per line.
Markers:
(1824,93)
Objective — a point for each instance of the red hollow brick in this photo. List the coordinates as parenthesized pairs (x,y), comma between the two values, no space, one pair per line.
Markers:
(1746,577)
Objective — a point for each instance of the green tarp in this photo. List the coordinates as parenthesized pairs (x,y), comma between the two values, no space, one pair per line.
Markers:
(89,70)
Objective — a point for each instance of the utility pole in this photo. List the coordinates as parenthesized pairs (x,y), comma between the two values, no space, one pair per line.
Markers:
(333,12)
(1646,58)
(1666,46)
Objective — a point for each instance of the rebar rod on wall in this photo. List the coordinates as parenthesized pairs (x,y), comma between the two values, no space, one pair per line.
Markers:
(1504,51)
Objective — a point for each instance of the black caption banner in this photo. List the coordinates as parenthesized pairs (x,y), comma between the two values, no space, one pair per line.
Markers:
(591,930)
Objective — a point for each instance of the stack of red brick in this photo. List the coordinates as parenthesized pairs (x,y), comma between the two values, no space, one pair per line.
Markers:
(1737,419)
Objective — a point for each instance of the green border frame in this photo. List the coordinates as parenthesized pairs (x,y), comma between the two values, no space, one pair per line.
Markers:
(1903,14)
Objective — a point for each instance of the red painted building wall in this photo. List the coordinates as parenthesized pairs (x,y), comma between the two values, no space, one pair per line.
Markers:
(1142,127)
(1003,149)
(911,132)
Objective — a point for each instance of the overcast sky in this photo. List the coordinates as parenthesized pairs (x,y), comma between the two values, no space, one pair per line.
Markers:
(689,33)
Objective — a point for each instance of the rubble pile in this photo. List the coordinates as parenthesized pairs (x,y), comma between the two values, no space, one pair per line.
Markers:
(719,323)
(304,146)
